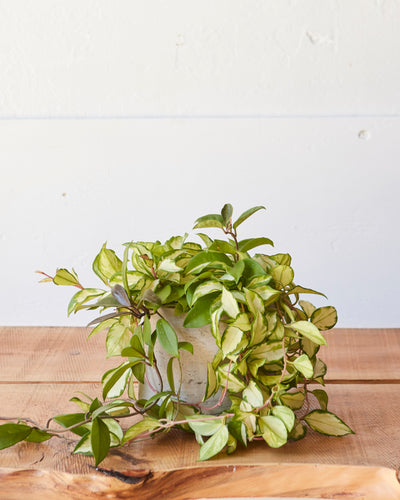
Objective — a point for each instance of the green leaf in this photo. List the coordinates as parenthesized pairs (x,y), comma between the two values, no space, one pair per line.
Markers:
(271,351)
(274,431)
(289,312)
(253,270)
(253,366)
(307,307)
(199,315)
(167,337)
(66,278)
(212,383)
(83,405)
(278,331)
(186,346)
(231,339)
(259,281)
(234,383)
(304,366)
(211,220)
(156,397)
(238,430)
(106,264)
(70,419)
(242,322)
(298,432)
(294,400)
(268,294)
(319,368)
(170,374)
(216,313)
(322,398)
(38,436)
(283,275)
(223,246)
(99,440)
(253,395)
(327,423)
(145,425)
(117,339)
(285,414)
(203,427)
(108,408)
(237,270)
(214,444)
(308,330)
(229,303)
(250,243)
(103,319)
(11,434)
(282,258)
(136,342)
(309,347)
(324,318)
(203,259)
(94,405)
(245,215)
(103,325)
(232,445)
(114,428)
(139,370)
(124,272)
(114,380)
(83,446)
(258,330)
(206,239)
(169,266)
(301,289)
(146,331)
(226,213)
(82,297)
(131,352)
(254,301)
(205,289)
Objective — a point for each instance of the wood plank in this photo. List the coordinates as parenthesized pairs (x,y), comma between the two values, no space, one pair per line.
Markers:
(373,415)
(294,480)
(49,354)
(362,354)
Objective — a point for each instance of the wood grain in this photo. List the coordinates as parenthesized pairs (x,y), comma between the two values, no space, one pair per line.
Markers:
(373,415)
(68,356)
(289,480)
(362,354)
(52,354)
(42,368)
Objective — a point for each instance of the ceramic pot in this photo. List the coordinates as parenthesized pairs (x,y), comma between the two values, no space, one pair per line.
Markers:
(194,366)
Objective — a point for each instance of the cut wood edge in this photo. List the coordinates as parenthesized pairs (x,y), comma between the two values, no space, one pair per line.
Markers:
(221,481)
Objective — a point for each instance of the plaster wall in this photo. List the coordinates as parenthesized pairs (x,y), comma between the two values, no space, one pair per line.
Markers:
(128,120)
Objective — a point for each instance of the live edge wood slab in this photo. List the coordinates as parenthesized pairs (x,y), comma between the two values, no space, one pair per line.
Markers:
(41,368)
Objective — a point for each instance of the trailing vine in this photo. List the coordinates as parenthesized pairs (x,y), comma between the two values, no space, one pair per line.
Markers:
(266,344)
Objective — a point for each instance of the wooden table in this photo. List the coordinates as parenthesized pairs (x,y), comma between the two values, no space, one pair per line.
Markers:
(41,368)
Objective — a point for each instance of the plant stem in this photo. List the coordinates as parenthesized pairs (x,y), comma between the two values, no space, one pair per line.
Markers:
(228,230)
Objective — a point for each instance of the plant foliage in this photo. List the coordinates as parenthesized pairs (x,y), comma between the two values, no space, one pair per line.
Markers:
(267,341)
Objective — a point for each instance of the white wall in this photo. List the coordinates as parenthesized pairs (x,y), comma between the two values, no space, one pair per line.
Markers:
(127,120)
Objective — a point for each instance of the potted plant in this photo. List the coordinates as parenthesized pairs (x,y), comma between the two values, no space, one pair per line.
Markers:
(213,340)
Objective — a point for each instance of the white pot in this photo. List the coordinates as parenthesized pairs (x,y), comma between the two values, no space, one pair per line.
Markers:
(194,366)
